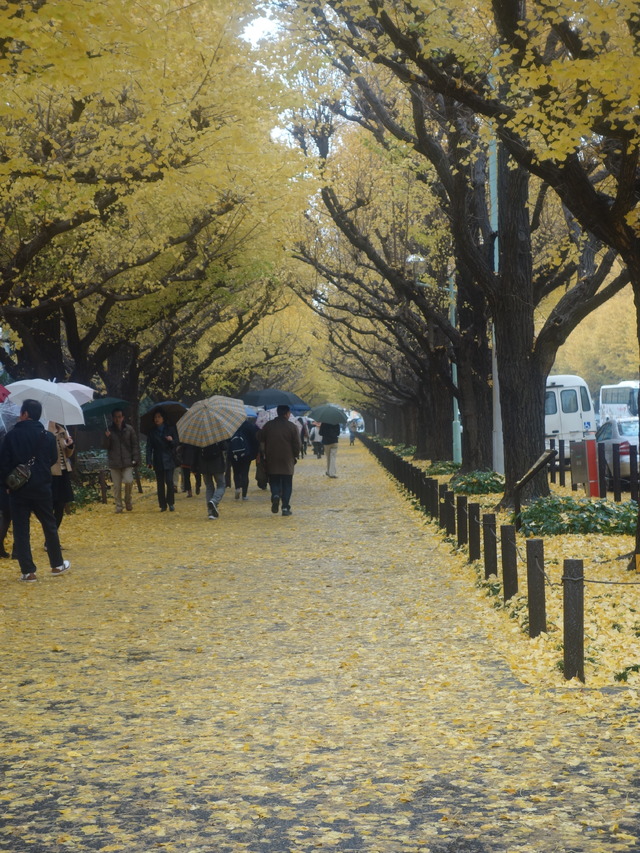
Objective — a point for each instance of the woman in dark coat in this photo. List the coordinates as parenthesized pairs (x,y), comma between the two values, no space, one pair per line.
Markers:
(162,442)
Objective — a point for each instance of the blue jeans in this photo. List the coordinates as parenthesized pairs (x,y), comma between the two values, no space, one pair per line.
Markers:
(216,494)
(281,487)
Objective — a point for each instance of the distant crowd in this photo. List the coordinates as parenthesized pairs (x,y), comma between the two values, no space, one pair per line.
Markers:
(36,469)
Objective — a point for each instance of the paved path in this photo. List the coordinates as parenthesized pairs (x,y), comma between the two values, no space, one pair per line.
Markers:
(260,683)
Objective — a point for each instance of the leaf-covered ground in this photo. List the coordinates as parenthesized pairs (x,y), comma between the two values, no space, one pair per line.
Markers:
(257,683)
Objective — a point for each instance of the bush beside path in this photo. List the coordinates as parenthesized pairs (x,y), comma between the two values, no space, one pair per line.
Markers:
(259,683)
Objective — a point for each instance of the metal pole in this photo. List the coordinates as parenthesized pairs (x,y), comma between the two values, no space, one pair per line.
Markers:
(456,431)
(498,441)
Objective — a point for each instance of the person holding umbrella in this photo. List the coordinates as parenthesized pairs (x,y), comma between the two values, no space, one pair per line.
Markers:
(162,441)
(330,434)
(123,451)
(207,426)
(330,417)
(280,448)
(28,443)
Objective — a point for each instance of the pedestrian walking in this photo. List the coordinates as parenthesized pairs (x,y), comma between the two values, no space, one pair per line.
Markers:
(243,449)
(30,444)
(61,488)
(162,441)
(280,449)
(123,453)
(304,437)
(187,455)
(330,434)
(211,463)
(316,440)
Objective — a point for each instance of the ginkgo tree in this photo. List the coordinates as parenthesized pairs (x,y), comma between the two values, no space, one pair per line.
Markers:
(435,61)
(140,190)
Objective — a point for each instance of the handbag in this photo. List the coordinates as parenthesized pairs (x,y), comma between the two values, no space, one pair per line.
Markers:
(18,476)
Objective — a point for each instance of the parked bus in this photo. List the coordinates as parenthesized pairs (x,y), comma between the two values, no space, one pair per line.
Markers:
(568,411)
(619,401)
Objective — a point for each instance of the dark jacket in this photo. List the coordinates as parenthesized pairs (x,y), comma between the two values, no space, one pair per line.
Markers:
(187,455)
(122,446)
(161,454)
(211,459)
(26,440)
(280,440)
(330,433)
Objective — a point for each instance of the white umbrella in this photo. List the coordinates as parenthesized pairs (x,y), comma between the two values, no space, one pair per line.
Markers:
(82,393)
(265,415)
(58,405)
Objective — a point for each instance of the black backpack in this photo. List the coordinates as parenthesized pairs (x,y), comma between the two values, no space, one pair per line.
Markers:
(238,446)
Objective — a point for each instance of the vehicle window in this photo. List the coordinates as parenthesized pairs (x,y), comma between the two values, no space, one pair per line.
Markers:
(569,401)
(550,403)
(604,433)
(633,401)
(585,399)
(628,427)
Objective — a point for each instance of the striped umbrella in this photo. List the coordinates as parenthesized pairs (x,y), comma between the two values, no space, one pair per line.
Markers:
(211,420)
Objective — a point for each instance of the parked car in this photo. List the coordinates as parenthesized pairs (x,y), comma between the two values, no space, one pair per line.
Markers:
(621,431)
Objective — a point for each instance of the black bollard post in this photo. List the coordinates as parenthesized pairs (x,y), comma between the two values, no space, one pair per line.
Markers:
(490,543)
(509,560)
(450,512)
(535,587)
(442,507)
(633,472)
(474,531)
(573,588)
(462,523)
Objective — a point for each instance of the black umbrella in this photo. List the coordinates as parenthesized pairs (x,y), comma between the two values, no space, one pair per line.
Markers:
(173,411)
(270,397)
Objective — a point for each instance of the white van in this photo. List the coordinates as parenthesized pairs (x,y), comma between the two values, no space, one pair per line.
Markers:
(568,411)
(619,401)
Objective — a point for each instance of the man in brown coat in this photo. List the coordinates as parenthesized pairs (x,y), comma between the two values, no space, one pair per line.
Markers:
(280,446)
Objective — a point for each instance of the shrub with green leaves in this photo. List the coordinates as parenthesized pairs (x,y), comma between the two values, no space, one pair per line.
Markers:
(552,515)
(442,468)
(405,450)
(477,483)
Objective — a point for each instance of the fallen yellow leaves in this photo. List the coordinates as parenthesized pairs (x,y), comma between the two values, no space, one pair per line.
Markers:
(181,695)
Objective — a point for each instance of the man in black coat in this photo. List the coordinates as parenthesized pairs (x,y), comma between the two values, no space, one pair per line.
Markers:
(27,441)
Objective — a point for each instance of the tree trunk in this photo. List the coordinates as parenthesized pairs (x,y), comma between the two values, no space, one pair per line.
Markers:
(41,352)
(121,377)
(476,412)
(521,380)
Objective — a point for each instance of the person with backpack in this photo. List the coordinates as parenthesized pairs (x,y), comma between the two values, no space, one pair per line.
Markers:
(243,449)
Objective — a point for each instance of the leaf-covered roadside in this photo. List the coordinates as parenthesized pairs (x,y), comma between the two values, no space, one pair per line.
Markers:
(599,532)
(268,684)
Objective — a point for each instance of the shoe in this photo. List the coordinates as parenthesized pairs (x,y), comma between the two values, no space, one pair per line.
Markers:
(118,509)
(129,507)
(60,569)
(172,508)
(213,510)
(275,504)
(28,578)
(4,553)
(163,509)
(189,494)
(286,511)
(244,498)
(238,493)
